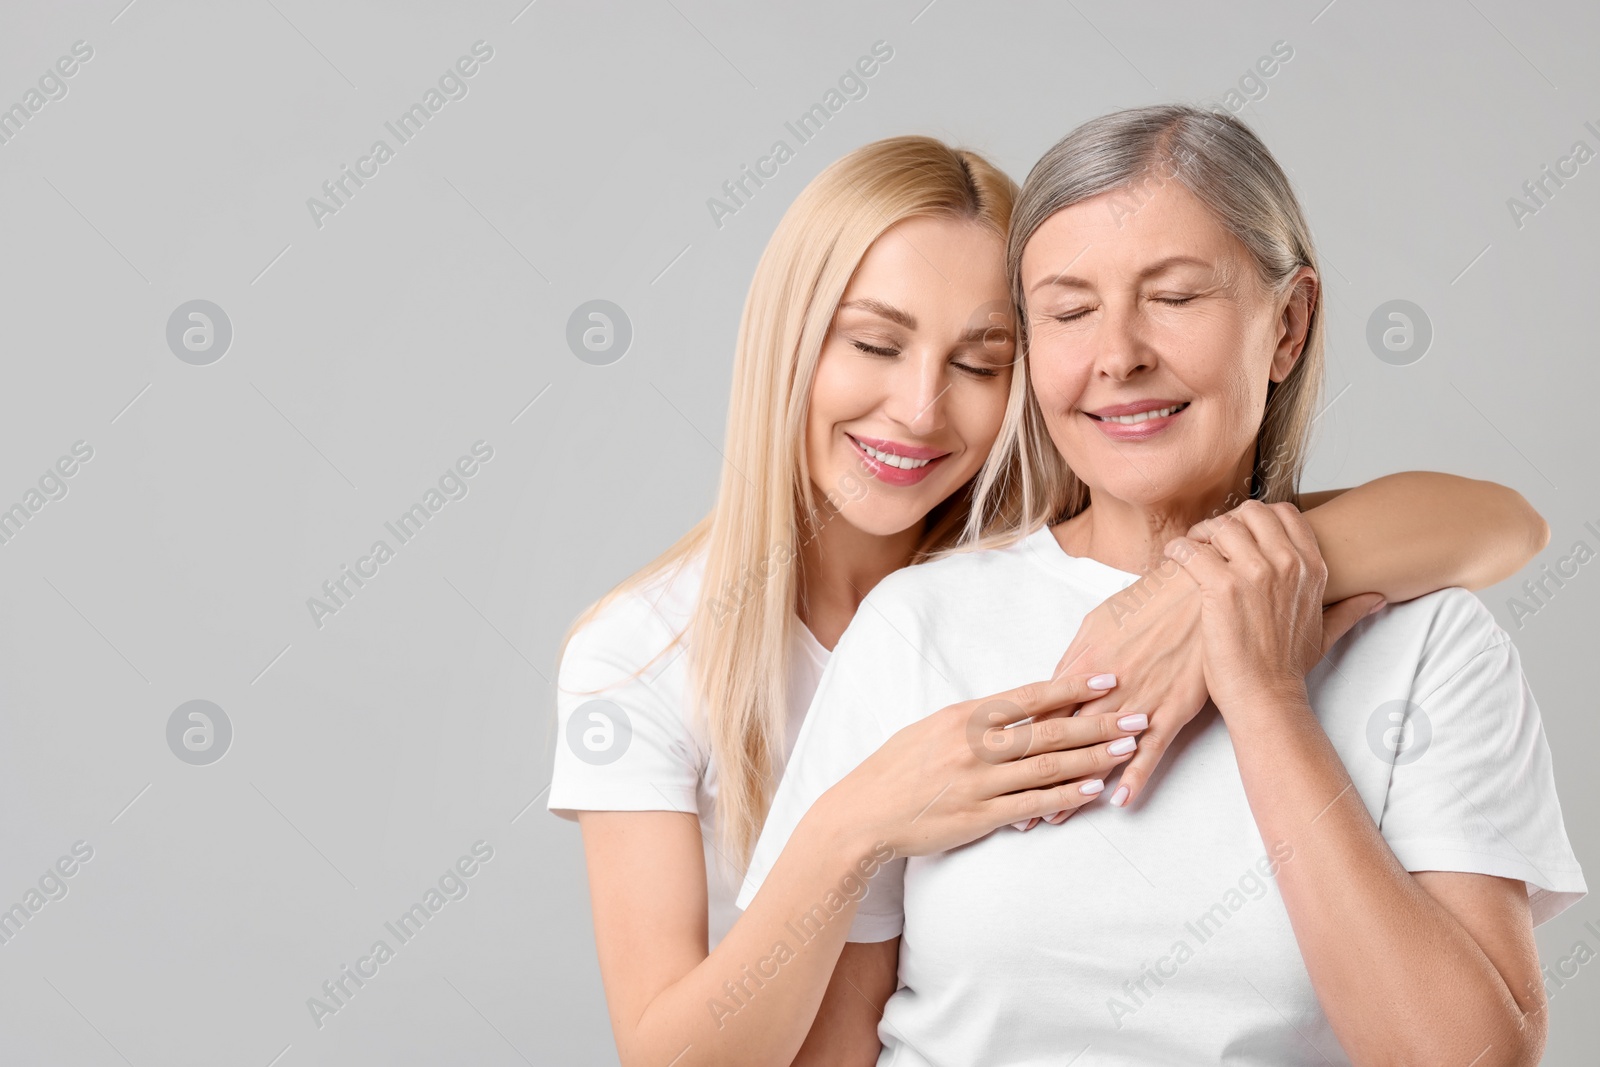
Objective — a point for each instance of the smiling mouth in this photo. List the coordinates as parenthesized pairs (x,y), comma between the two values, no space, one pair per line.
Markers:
(1143,416)
(895,459)
(905,463)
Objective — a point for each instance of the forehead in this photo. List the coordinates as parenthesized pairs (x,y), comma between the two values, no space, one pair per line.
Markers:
(1128,228)
(933,261)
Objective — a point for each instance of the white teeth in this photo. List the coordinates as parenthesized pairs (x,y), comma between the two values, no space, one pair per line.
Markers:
(889,459)
(1129,420)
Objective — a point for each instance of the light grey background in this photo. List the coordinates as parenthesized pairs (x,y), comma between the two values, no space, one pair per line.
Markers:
(430,312)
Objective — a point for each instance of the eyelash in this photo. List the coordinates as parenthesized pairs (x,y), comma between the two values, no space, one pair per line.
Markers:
(873,350)
(1177,301)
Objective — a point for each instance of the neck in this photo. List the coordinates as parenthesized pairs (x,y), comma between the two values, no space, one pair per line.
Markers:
(1131,536)
(839,565)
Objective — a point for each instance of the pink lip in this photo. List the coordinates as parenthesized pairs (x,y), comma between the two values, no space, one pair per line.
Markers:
(896,475)
(898,449)
(1139,431)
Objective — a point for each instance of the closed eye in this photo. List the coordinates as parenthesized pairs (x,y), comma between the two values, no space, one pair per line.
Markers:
(874,350)
(980,372)
(1174,301)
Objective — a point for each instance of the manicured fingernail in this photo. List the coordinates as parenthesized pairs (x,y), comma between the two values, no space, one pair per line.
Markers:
(1379,606)
(1133,722)
(1025,824)
(1091,787)
(1102,681)
(1122,746)
(1120,797)
(1057,819)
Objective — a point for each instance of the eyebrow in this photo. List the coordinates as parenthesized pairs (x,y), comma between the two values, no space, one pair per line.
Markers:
(973,335)
(1072,281)
(882,310)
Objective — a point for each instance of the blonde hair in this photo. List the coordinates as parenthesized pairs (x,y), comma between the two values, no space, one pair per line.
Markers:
(739,667)
(1227,168)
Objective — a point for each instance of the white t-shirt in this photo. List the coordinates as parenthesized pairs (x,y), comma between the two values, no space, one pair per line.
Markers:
(1153,935)
(645,749)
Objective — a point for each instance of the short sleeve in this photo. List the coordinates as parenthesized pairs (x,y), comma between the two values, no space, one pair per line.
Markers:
(874,677)
(623,740)
(1473,787)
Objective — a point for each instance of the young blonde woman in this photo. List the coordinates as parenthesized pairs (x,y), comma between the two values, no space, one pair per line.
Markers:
(1298,889)
(873,374)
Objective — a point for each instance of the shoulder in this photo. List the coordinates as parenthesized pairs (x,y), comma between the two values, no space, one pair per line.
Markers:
(1448,629)
(1418,646)
(916,615)
(922,586)
(634,628)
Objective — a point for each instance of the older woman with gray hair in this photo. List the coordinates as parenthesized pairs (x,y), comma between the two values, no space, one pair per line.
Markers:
(1303,887)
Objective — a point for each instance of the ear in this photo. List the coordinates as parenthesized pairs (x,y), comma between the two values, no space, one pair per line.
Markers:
(1294,323)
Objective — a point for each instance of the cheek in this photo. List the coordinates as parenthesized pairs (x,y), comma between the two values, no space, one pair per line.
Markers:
(835,397)
(1056,377)
(1244,373)
(982,416)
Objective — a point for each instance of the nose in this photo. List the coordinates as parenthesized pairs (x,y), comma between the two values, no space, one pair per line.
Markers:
(1121,351)
(916,393)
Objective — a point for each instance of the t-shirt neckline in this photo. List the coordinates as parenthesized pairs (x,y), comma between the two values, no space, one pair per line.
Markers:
(809,642)
(1047,550)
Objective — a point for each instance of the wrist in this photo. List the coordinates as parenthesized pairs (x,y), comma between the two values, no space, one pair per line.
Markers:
(840,837)
(1166,591)
(1268,696)
(1166,581)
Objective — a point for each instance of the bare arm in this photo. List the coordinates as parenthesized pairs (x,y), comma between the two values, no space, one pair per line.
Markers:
(1407,534)
(1429,967)
(845,1033)
(670,1001)
(1434,967)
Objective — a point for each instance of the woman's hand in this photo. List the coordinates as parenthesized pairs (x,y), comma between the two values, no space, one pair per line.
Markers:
(1261,579)
(1150,633)
(974,766)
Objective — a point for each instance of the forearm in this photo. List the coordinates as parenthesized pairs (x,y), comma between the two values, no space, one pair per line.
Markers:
(753,999)
(1413,533)
(1401,981)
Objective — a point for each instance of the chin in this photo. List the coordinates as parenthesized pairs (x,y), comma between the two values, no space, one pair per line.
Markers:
(1118,480)
(884,522)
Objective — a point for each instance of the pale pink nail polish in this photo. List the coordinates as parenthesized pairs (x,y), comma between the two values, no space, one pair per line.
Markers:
(1023,825)
(1102,681)
(1091,787)
(1122,745)
(1133,722)
(1120,797)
